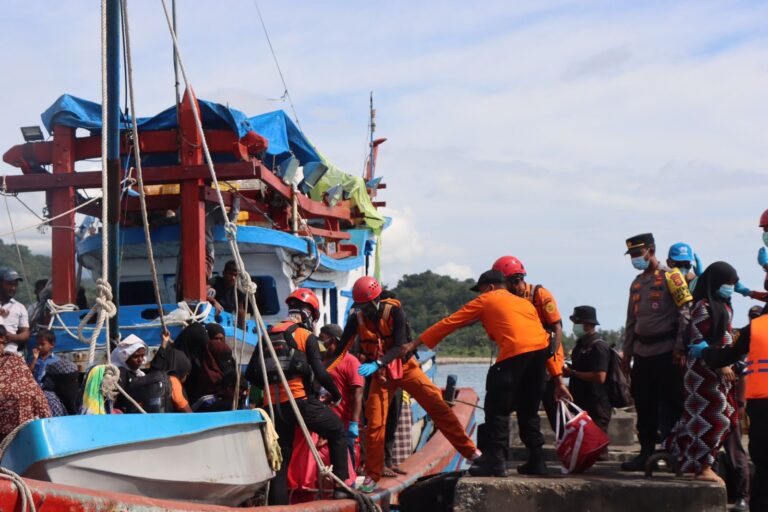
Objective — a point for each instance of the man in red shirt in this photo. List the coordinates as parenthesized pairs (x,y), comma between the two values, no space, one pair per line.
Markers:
(350,383)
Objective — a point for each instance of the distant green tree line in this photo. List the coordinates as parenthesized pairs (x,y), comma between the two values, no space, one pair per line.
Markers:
(36,267)
(428,297)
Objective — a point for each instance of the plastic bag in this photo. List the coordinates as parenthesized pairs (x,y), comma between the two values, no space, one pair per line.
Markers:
(581,441)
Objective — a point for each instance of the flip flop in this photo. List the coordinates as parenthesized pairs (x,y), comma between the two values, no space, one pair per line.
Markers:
(399,471)
(388,472)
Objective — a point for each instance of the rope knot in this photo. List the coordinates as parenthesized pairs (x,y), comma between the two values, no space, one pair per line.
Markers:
(110,382)
(230,229)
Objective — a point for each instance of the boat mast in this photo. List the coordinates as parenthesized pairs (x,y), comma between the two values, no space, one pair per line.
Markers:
(372,126)
(113,156)
(175,62)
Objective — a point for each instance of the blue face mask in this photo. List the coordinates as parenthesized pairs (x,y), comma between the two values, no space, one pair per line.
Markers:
(640,263)
(578,330)
(685,270)
(726,291)
(765,238)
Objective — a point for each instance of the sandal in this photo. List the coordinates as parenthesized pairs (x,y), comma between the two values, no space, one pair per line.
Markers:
(368,485)
(388,472)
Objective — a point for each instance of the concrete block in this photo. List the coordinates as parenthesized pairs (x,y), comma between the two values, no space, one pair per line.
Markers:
(603,490)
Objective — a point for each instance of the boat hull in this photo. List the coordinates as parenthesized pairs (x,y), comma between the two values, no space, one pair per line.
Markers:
(436,456)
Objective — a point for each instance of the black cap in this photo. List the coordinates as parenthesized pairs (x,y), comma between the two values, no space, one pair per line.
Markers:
(489,277)
(639,242)
(584,315)
(332,330)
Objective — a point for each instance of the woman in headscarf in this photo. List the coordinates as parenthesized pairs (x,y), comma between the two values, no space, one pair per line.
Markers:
(62,380)
(710,403)
(207,357)
(129,356)
(21,398)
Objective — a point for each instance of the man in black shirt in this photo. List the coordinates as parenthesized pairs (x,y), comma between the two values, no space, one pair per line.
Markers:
(589,369)
(225,288)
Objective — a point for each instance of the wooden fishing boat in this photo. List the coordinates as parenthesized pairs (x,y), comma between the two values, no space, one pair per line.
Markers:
(435,456)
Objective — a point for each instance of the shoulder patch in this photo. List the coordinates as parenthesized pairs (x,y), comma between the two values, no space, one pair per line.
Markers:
(549,307)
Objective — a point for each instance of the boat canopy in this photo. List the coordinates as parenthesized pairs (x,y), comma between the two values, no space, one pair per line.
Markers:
(285,140)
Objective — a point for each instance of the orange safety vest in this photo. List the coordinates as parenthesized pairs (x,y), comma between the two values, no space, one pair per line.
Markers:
(757,360)
(375,340)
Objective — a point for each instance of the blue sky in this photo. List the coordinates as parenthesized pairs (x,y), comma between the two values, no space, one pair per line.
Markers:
(547,130)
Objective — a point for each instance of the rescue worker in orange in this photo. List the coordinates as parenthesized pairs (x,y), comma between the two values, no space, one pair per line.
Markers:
(546,308)
(516,381)
(753,341)
(380,325)
(299,354)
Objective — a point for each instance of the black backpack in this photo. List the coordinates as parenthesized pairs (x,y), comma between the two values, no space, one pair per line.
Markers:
(290,359)
(617,382)
(152,392)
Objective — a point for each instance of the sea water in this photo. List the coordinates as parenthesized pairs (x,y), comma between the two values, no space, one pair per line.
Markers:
(470,375)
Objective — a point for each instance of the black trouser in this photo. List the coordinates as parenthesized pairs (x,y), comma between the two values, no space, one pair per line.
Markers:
(514,384)
(738,461)
(757,410)
(393,418)
(549,403)
(657,387)
(319,419)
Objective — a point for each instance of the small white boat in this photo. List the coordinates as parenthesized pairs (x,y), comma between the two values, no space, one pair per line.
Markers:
(216,458)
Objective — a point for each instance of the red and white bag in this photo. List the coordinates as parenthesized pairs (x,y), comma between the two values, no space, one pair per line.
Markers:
(581,440)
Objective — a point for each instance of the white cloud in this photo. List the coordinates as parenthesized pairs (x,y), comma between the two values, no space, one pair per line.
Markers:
(455,270)
(547,130)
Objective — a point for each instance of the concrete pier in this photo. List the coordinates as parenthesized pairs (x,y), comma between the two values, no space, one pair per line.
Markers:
(602,489)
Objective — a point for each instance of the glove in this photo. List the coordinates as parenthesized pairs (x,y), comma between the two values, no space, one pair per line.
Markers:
(762,257)
(367,369)
(698,268)
(353,431)
(743,290)
(696,350)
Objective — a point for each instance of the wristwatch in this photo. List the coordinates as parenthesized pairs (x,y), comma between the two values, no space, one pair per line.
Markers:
(378,362)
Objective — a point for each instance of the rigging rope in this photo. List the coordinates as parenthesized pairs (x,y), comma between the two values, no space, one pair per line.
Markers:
(250,288)
(16,243)
(286,94)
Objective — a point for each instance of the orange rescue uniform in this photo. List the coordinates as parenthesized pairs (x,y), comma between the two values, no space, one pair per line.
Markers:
(546,308)
(409,377)
(756,376)
(510,321)
(276,391)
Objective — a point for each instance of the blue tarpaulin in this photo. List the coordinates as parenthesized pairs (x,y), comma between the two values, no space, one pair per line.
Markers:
(284,137)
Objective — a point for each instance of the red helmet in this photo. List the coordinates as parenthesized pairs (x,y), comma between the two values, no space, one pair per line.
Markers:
(764,219)
(366,289)
(308,297)
(509,266)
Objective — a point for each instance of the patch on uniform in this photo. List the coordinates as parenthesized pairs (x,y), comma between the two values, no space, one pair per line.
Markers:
(635,286)
(655,305)
(635,297)
(550,307)
(655,295)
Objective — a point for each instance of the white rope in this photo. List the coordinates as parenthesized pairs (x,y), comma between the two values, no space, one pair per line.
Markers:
(103,309)
(245,280)
(16,243)
(48,221)
(139,174)
(25,492)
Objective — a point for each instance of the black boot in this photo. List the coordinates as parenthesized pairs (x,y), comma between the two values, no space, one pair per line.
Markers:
(536,464)
(638,463)
(483,466)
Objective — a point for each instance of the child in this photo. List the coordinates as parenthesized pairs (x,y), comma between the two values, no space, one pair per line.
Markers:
(42,354)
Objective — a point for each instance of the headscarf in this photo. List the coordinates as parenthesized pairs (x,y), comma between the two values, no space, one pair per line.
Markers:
(191,340)
(716,275)
(194,343)
(62,377)
(21,398)
(125,349)
(213,329)
(179,364)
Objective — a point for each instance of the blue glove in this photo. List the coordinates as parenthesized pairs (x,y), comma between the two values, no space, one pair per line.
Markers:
(696,350)
(762,257)
(353,430)
(743,290)
(698,268)
(367,369)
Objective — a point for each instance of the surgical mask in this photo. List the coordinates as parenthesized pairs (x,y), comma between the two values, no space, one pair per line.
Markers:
(765,238)
(685,270)
(726,291)
(578,330)
(640,263)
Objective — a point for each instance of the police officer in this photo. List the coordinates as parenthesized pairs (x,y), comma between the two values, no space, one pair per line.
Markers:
(657,317)
(296,333)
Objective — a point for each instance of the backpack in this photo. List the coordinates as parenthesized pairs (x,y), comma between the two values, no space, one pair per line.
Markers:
(617,382)
(152,392)
(290,359)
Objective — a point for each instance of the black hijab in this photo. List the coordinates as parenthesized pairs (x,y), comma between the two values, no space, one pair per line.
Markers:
(707,286)
(192,340)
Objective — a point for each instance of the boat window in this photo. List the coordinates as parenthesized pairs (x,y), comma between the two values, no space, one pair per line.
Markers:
(134,293)
(266,296)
